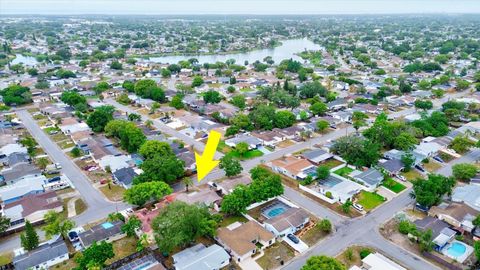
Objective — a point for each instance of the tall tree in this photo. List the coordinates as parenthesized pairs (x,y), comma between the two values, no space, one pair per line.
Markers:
(29,239)
(323,263)
(141,193)
(231,166)
(57,224)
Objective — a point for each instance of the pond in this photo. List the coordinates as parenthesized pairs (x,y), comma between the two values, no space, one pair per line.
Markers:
(26,60)
(287,50)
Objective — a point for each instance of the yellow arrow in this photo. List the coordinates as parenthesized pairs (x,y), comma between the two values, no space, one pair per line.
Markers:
(205,162)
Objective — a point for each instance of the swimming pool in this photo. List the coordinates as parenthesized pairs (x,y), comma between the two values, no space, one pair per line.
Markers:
(456,249)
(275,212)
(107,225)
(275,209)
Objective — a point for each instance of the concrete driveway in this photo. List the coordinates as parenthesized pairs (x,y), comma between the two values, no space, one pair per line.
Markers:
(300,247)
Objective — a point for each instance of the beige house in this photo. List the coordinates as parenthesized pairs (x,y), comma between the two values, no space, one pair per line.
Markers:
(241,240)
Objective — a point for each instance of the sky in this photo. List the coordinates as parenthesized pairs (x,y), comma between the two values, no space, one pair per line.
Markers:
(270,7)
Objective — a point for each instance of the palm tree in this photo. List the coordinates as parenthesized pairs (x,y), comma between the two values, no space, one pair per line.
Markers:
(187,181)
(149,124)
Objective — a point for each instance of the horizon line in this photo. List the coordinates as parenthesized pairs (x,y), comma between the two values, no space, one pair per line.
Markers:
(237,14)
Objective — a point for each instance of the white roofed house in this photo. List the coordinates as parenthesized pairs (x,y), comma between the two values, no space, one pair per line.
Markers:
(289,222)
(44,256)
(252,142)
(200,257)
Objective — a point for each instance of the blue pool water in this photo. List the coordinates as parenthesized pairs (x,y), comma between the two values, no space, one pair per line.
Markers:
(456,249)
(107,225)
(275,212)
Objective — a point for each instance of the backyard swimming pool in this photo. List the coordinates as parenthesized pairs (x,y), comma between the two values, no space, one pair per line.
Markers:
(275,209)
(456,249)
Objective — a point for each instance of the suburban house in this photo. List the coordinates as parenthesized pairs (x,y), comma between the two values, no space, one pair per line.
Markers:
(124,176)
(107,231)
(391,166)
(43,257)
(289,222)
(370,178)
(228,185)
(18,172)
(458,215)
(397,154)
(24,187)
(207,196)
(338,188)
(317,156)
(241,239)
(296,168)
(269,138)
(252,142)
(376,261)
(114,162)
(200,257)
(469,194)
(441,233)
(32,208)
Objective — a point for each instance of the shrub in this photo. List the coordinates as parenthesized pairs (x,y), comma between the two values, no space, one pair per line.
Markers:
(364,253)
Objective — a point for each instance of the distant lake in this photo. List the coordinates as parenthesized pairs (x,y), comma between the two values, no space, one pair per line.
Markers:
(287,50)
(26,60)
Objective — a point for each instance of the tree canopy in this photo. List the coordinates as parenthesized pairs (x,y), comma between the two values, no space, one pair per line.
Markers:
(141,193)
(179,223)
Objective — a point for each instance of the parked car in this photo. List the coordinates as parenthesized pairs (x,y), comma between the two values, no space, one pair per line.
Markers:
(420,168)
(293,238)
(358,207)
(401,177)
(54,179)
(73,236)
(53,132)
(439,159)
(58,166)
(93,168)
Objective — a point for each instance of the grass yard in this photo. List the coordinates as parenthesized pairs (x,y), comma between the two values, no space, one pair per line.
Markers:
(351,256)
(446,157)
(345,171)
(393,185)
(248,155)
(222,147)
(313,235)
(114,193)
(5,258)
(66,144)
(66,265)
(80,206)
(432,166)
(122,248)
(274,254)
(369,200)
(412,175)
(285,143)
(59,137)
(332,163)
(232,219)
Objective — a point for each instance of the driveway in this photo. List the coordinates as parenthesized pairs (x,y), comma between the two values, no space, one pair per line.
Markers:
(300,247)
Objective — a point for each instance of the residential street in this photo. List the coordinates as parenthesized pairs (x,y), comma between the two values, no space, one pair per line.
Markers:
(98,206)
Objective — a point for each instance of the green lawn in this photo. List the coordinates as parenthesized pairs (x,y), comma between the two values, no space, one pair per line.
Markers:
(232,219)
(369,200)
(248,155)
(343,171)
(331,163)
(412,175)
(393,185)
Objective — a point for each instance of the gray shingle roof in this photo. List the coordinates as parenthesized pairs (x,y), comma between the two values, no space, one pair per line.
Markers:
(99,232)
(40,255)
(371,176)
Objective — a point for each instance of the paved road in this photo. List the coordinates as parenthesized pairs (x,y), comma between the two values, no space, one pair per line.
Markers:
(364,231)
(471,157)
(98,206)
